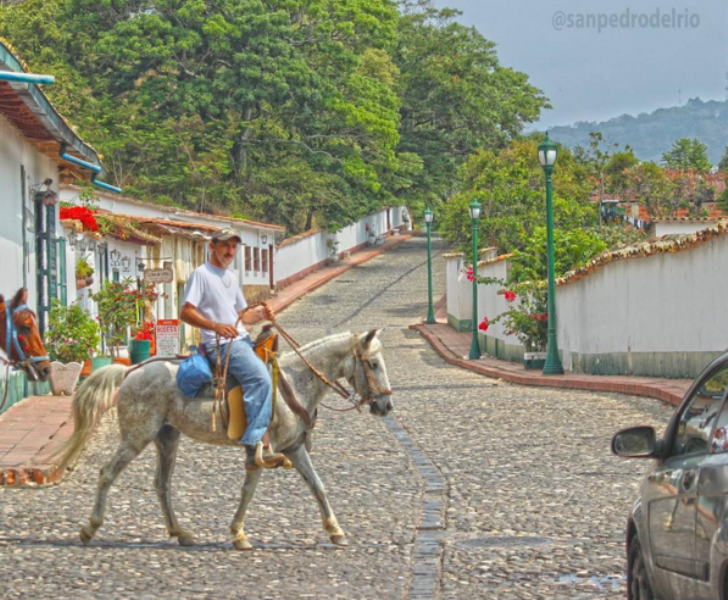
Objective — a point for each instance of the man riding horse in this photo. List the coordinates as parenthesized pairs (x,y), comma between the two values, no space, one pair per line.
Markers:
(214,302)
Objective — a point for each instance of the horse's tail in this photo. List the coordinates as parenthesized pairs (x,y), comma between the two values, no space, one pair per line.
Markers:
(91,401)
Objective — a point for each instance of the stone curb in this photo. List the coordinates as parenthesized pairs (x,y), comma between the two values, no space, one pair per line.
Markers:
(574,382)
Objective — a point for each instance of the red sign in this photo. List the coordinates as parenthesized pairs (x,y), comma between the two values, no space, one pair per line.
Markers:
(167,337)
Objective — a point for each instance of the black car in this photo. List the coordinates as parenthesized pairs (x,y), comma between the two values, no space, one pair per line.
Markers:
(677,534)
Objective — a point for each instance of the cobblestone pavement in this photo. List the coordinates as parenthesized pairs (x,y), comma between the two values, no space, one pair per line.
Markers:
(473,489)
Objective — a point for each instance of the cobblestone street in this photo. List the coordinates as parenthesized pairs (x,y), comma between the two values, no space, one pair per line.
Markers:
(473,488)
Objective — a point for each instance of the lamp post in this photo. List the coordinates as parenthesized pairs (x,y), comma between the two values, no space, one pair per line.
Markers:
(474,210)
(547,152)
(430,311)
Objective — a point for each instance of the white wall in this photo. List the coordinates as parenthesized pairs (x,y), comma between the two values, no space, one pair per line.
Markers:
(663,303)
(310,250)
(659,315)
(14,152)
(300,255)
(680,227)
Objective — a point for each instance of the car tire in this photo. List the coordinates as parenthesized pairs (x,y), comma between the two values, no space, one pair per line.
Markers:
(638,581)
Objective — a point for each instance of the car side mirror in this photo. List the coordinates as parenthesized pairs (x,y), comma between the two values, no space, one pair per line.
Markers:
(636,442)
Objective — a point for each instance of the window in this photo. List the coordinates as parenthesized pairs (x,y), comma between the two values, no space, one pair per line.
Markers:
(248,259)
(264,259)
(697,420)
(256,259)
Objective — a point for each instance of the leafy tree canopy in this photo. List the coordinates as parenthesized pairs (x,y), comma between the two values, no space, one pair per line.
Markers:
(304,112)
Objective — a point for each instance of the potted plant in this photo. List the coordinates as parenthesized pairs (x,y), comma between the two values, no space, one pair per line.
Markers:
(71,340)
(527,320)
(333,247)
(84,273)
(141,346)
(121,305)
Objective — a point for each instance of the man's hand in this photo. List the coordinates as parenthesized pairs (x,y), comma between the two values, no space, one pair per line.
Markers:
(268,313)
(225,331)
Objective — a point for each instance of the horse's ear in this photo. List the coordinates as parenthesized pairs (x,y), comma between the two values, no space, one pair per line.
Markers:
(369,338)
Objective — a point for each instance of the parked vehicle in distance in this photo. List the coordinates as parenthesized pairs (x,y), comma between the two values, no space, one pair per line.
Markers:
(677,532)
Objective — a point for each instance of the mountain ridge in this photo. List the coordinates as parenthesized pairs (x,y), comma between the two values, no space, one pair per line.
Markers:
(651,134)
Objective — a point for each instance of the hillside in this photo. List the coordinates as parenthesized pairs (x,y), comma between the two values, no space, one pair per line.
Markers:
(650,135)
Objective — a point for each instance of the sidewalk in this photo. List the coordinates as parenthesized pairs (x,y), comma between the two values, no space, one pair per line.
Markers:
(453,346)
(32,430)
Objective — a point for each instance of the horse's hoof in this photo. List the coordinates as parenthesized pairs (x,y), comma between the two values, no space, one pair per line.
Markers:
(185,540)
(339,540)
(242,544)
(86,535)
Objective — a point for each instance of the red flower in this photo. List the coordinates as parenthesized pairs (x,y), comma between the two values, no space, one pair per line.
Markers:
(544,316)
(510,296)
(469,274)
(484,324)
(80,213)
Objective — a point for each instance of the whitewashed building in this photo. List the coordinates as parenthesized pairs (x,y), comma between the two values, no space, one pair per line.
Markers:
(37,149)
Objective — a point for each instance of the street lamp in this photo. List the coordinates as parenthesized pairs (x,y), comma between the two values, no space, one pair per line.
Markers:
(547,152)
(430,311)
(474,210)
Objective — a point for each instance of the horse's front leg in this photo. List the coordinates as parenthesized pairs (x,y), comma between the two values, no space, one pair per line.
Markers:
(237,527)
(302,462)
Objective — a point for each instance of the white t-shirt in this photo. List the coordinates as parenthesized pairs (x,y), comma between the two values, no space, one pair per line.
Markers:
(215,293)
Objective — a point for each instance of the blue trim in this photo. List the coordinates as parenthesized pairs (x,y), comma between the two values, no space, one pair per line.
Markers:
(27,78)
(105,186)
(33,96)
(77,161)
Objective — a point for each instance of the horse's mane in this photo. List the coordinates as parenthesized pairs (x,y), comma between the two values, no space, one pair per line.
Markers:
(312,347)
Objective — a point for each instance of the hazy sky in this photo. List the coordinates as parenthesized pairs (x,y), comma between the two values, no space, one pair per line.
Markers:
(631,66)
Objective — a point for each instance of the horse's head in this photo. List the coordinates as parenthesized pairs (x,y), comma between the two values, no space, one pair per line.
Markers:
(20,337)
(370,374)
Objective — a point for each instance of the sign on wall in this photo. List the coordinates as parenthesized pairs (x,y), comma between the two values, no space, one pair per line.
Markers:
(158,275)
(167,337)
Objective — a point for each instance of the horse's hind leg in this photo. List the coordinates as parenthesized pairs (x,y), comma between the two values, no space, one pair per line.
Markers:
(166,442)
(237,527)
(302,462)
(125,453)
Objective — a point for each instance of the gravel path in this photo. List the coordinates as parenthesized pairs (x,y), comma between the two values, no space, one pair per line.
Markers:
(474,488)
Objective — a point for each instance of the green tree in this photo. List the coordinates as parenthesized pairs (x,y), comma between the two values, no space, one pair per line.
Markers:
(456,98)
(648,183)
(616,172)
(510,186)
(687,154)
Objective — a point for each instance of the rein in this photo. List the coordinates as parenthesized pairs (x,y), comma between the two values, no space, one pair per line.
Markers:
(335,385)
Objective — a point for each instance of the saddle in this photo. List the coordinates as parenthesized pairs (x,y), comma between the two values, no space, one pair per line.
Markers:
(266,348)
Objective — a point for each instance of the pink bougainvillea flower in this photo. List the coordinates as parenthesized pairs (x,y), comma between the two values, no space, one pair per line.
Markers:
(483,324)
(469,274)
(510,296)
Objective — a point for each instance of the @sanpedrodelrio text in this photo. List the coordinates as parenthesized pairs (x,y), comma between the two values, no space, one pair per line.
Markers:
(659,18)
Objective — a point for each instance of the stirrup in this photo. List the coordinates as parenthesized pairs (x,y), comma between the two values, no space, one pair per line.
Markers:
(272,460)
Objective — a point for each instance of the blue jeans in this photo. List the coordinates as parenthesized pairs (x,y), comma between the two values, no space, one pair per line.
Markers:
(250,372)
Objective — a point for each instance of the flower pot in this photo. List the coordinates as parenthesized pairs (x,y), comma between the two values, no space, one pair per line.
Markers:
(534,360)
(87,368)
(99,362)
(64,377)
(140,350)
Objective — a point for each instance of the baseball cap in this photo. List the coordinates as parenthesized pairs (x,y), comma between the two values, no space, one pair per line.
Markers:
(223,235)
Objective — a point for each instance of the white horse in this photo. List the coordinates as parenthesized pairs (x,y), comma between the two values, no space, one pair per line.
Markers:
(152,409)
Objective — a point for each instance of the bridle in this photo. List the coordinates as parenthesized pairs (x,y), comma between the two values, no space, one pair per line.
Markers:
(14,341)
